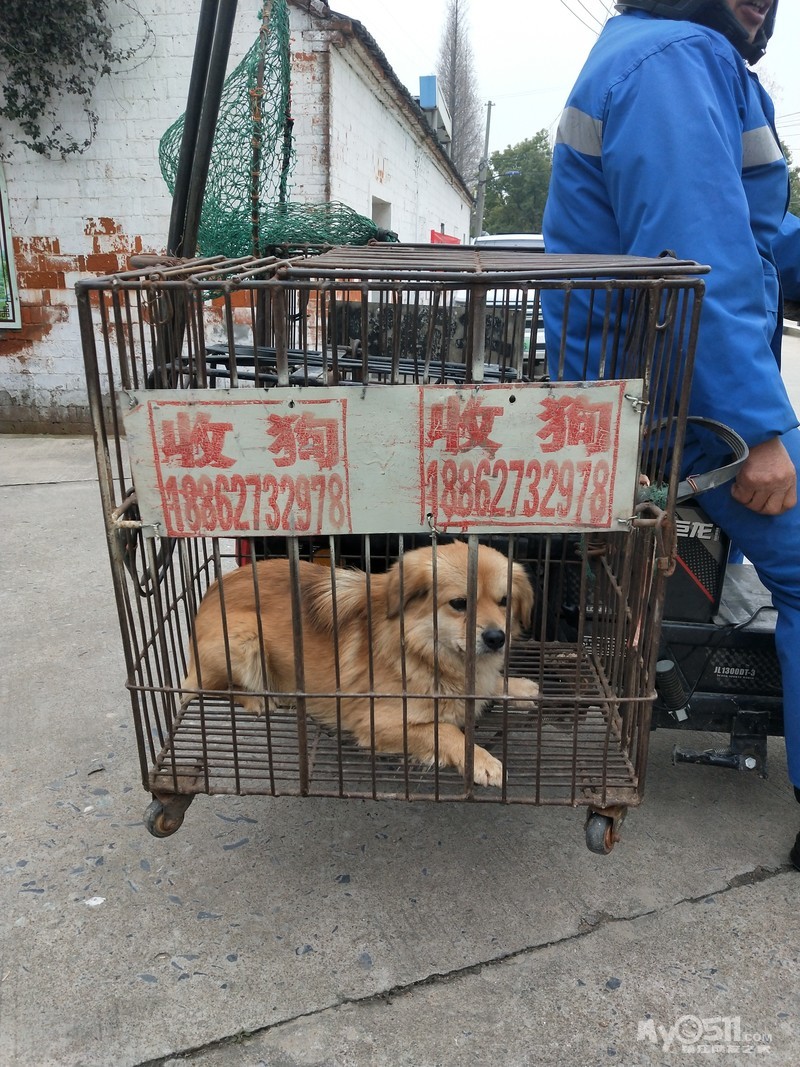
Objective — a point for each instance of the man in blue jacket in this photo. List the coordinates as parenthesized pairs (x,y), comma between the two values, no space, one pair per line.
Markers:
(668,142)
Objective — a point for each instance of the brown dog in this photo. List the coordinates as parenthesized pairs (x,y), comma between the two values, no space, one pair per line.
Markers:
(434,637)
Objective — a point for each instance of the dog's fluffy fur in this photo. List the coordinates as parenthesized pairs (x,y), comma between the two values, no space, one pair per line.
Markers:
(356,613)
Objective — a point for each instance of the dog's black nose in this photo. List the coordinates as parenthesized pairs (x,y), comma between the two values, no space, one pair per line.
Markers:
(494,639)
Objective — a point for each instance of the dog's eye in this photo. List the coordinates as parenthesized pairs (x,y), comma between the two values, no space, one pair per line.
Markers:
(503,601)
(458,604)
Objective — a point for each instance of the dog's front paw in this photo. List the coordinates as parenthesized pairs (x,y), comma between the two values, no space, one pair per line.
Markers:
(523,689)
(486,770)
(253,705)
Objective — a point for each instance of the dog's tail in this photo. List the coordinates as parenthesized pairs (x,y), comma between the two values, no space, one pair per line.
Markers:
(326,607)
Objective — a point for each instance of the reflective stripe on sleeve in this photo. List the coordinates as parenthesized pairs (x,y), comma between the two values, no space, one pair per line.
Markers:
(759,148)
(580,131)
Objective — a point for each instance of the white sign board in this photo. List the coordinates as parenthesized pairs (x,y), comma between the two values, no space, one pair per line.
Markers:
(385,459)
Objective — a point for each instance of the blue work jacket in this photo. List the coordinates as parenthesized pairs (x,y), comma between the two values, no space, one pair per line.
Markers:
(668,142)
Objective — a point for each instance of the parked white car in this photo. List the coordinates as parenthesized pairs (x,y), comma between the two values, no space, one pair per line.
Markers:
(511,240)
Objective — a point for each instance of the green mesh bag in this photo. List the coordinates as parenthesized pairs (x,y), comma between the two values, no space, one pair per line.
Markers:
(246,207)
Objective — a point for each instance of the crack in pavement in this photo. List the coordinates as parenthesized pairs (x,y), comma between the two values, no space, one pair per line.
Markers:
(590,925)
(83,480)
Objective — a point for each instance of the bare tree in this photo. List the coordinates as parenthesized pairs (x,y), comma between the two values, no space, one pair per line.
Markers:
(459,85)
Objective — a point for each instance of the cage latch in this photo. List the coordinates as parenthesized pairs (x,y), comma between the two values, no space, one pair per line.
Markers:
(649,514)
(129,504)
(130,507)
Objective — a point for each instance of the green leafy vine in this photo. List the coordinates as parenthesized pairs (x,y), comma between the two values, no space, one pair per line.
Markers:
(51,50)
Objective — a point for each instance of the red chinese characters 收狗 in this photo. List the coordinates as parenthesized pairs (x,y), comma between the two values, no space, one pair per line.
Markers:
(487,461)
(535,456)
(301,485)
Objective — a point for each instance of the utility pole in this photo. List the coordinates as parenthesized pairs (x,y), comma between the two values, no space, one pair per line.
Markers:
(482,172)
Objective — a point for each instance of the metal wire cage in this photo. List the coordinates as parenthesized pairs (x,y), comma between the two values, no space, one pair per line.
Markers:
(305,433)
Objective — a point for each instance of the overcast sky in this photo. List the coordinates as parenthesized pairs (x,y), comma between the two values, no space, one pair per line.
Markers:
(528,53)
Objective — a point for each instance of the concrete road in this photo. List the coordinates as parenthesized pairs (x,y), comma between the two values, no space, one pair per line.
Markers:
(291,932)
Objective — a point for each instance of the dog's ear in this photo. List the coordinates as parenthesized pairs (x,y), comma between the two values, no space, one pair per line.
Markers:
(416,581)
(521,596)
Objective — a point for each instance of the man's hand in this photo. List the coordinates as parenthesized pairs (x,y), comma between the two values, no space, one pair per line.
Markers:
(767,481)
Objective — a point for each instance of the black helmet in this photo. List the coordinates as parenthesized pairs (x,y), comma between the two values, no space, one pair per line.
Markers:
(716,14)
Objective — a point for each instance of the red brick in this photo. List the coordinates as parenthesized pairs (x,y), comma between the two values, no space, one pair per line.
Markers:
(36,245)
(40,279)
(59,263)
(22,339)
(102,263)
(100,226)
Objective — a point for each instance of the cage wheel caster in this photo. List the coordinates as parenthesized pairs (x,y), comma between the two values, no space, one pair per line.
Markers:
(163,818)
(602,829)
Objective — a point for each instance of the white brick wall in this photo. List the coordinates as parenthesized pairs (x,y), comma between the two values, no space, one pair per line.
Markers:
(376,152)
(88,213)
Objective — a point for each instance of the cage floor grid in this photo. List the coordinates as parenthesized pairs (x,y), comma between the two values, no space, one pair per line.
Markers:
(566,751)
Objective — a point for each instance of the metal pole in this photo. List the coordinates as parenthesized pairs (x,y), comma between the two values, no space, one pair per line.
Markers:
(191,122)
(212,49)
(482,176)
(220,49)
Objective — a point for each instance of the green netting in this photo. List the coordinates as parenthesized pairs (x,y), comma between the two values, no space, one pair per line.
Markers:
(246,208)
